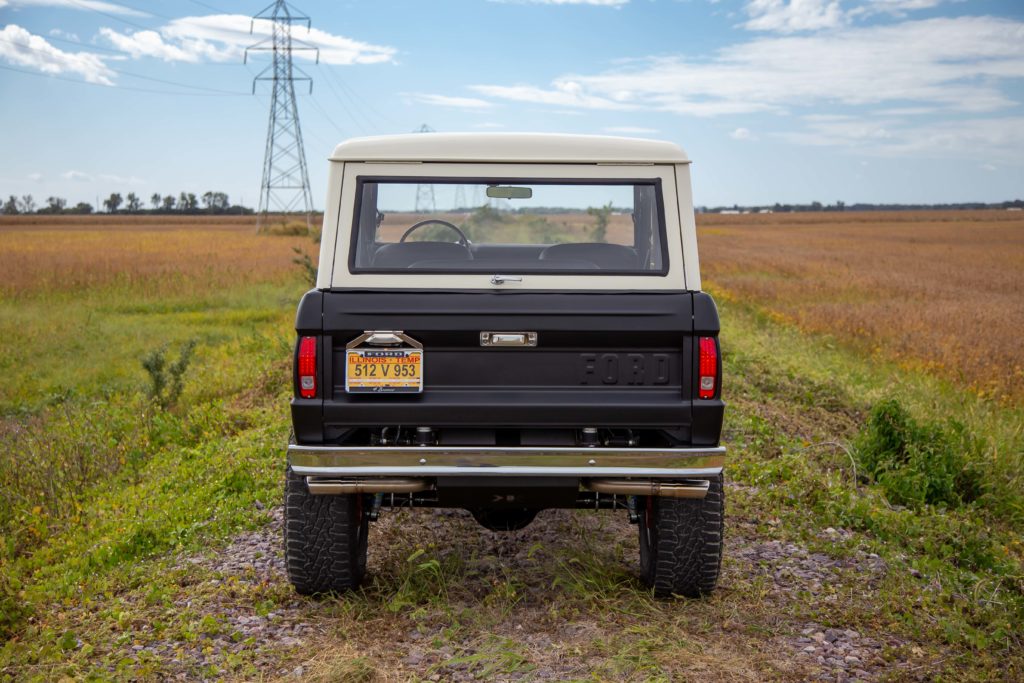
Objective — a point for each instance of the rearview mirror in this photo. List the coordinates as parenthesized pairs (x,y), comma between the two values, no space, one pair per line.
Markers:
(509,192)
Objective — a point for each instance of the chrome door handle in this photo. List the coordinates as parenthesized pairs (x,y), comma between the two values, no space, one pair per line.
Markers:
(502,279)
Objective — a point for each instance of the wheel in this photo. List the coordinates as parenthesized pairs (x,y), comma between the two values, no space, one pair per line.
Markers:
(324,539)
(463,240)
(681,543)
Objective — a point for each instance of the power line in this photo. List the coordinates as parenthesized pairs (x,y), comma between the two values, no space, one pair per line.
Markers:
(180,85)
(344,106)
(208,6)
(326,115)
(85,45)
(342,99)
(360,101)
(111,16)
(115,87)
(140,11)
(135,75)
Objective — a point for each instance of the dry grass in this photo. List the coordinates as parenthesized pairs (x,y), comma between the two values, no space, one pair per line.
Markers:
(44,254)
(942,291)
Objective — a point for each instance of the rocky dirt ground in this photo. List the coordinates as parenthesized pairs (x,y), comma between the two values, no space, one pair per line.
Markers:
(449,600)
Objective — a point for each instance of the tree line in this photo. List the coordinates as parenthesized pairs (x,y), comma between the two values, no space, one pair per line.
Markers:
(131,203)
(860,206)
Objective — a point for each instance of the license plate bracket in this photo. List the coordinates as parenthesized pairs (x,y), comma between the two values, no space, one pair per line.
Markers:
(383,371)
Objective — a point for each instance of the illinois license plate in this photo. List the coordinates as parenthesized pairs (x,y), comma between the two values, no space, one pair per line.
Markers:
(383,371)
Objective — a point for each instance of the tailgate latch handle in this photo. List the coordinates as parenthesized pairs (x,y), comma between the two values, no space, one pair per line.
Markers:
(508,339)
(502,279)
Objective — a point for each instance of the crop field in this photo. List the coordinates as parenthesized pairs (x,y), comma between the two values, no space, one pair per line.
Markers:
(875,497)
(939,291)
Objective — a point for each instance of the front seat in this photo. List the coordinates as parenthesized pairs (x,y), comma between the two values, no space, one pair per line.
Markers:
(405,254)
(604,256)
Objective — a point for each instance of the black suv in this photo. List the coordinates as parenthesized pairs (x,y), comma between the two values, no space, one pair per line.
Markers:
(507,323)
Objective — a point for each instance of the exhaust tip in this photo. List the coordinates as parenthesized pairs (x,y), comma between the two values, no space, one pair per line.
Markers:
(695,488)
(320,486)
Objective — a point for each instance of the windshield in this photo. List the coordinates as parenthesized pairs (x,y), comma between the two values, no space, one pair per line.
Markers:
(502,226)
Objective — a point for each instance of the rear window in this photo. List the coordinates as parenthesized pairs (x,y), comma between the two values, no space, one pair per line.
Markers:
(422,225)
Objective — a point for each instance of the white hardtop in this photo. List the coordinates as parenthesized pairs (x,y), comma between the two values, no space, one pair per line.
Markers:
(509,147)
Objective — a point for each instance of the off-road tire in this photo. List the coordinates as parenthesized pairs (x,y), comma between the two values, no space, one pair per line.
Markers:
(324,539)
(681,543)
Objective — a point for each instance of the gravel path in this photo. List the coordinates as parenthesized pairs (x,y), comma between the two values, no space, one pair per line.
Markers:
(291,631)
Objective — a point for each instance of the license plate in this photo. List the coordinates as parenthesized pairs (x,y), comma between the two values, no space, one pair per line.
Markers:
(384,371)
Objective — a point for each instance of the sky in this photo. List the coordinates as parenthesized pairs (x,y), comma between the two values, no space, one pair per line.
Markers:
(792,101)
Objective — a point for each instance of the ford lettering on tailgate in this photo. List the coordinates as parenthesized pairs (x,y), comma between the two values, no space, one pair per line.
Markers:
(624,368)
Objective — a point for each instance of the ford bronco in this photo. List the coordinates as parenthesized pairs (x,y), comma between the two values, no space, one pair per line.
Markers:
(507,323)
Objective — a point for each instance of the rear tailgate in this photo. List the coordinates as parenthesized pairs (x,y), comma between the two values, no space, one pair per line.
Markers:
(601,359)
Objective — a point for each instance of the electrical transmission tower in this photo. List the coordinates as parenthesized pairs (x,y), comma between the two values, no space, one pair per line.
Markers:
(460,198)
(285,184)
(425,201)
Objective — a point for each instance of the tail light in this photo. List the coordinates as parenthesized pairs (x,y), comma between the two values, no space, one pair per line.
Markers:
(307,367)
(708,368)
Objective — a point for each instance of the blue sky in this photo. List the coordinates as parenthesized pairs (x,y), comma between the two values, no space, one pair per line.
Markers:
(774,100)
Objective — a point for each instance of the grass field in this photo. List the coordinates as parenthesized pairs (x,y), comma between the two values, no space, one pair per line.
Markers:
(938,291)
(140,531)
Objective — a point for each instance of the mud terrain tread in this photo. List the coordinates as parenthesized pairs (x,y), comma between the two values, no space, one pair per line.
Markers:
(686,556)
(324,540)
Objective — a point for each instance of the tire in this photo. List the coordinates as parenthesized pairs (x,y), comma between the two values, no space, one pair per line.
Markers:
(681,543)
(324,539)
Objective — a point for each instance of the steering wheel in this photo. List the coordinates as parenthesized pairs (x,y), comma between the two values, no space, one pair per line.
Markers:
(463,240)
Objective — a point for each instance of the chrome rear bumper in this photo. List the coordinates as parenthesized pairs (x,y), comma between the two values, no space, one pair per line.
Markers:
(434,461)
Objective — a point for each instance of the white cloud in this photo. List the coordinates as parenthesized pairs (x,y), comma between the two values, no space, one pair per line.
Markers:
(742,134)
(906,111)
(601,3)
(151,44)
(78,176)
(791,16)
(82,177)
(224,37)
(450,101)
(794,15)
(631,130)
(35,177)
(94,5)
(947,64)
(563,92)
(896,8)
(121,180)
(983,139)
(19,47)
(490,125)
(57,33)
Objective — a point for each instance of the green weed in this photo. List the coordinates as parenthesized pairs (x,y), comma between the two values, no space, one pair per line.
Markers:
(919,463)
(166,380)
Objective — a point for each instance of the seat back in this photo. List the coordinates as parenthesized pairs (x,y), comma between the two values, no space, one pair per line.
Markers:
(405,254)
(604,256)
